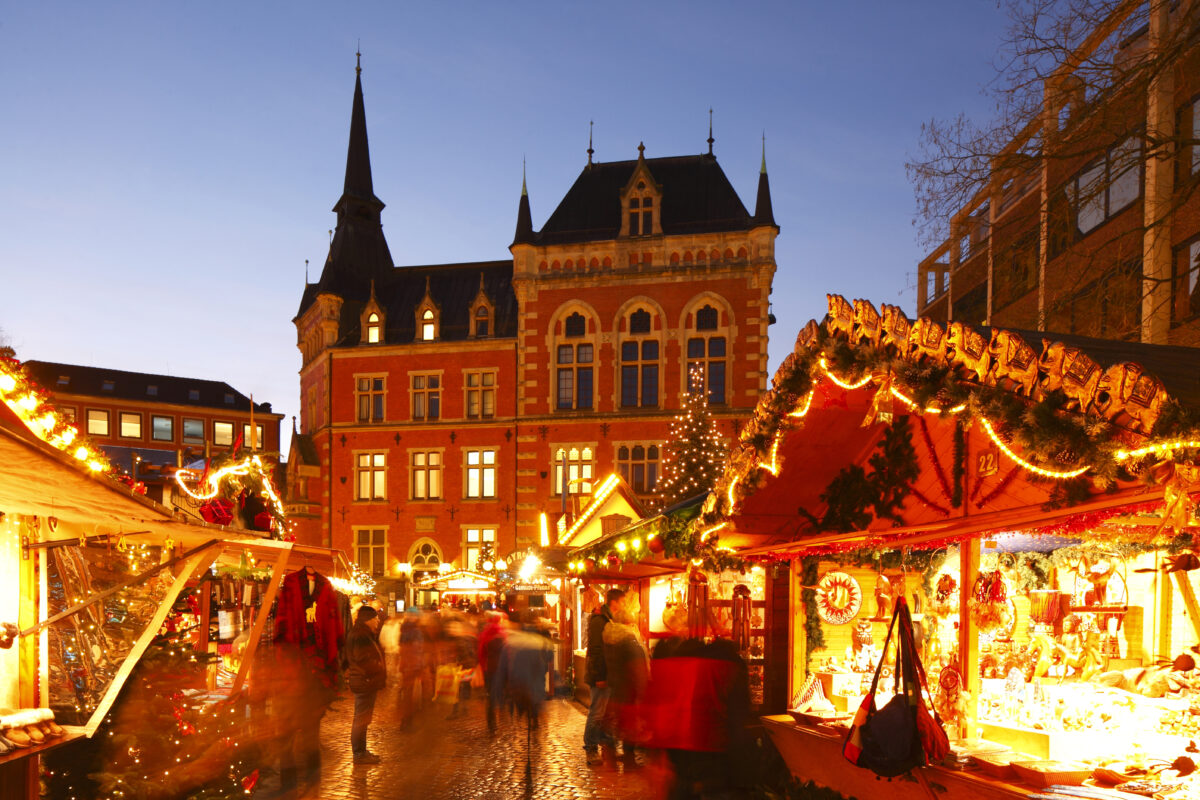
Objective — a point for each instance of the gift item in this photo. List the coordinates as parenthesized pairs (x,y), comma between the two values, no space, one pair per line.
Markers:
(839,597)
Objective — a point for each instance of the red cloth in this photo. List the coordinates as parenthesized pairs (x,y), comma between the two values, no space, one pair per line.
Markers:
(490,631)
(289,620)
(686,704)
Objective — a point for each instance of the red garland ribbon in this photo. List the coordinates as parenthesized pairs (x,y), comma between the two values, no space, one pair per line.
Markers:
(937,464)
(1000,487)
(945,512)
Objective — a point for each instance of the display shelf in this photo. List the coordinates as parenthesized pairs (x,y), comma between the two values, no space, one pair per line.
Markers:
(71,734)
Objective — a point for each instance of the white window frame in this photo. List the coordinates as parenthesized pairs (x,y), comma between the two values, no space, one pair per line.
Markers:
(423,474)
(94,429)
(370,475)
(479,392)
(479,473)
(218,440)
(192,439)
(581,467)
(373,395)
(170,419)
(473,538)
(377,551)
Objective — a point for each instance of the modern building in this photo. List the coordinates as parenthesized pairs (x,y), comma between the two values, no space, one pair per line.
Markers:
(144,421)
(1090,223)
(450,405)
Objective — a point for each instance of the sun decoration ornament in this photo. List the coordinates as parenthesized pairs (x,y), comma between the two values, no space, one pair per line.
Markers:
(839,597)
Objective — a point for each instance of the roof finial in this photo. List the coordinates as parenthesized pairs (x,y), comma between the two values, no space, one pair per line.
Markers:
(641,150)
(710,137)
(306,272)
(524,191)
(358,58)
(763,170)
(590,150)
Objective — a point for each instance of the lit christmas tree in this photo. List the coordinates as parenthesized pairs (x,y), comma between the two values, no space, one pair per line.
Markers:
(694,455)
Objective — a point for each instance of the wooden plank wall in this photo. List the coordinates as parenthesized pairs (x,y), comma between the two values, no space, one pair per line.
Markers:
(778,621)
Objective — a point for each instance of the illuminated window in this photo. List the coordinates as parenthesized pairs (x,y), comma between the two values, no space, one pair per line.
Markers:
(223,434)
(480,389)
(480,473)
(370,550)
(162,429)
(1105,187)
(97,422)
(638,465)
(426,397)
(370,476)
(369,397)
(426,475)
(131,425)
(473,540)
(258,443)
(578,465)
(428,325)
(425,557)
(373,329)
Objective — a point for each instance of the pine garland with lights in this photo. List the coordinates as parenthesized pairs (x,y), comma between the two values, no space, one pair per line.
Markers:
(694,455)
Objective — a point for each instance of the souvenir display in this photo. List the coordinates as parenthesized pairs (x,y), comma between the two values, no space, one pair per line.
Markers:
(839,598)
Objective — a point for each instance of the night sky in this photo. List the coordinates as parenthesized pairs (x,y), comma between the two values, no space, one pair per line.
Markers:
(168,167)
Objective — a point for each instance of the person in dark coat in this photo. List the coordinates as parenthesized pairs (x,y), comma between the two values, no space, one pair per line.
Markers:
(628,674)
(367,674)
(595,733)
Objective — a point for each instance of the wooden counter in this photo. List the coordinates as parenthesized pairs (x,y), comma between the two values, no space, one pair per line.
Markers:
(815,754)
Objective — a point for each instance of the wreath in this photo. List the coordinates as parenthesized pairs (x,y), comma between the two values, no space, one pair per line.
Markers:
(989,606)
(944,595)
(839,597)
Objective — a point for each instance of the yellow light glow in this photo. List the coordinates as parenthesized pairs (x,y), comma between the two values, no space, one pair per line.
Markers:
(529,567)
(772,466)
(637,543)
(908,401)
(606,488)
(213,482)
(621,546)
(729,493)
(802,411)
(545,525)
(825,368)
(7,382)
(82,453)
(1158,448)
(720,526)
(1045,473)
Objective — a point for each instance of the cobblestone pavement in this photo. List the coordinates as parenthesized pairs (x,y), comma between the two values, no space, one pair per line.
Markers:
(438,759)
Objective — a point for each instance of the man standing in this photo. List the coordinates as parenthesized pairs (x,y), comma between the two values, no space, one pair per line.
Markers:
(595,734)
(367,675)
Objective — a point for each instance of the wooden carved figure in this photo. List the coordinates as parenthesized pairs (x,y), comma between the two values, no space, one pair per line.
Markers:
(808,336)
(1069,369)
(895,328)
(1127,395)
(841,315)
(867,323)
(928,339)
(968,349)
(1014,363)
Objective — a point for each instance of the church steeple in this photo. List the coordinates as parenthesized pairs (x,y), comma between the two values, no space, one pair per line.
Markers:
(358,251)
(524,234)
(763,215)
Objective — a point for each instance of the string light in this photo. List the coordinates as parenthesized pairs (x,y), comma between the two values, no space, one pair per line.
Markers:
(773,465)
(707,532)
(26,399)
(825,368)
(802,412)
(545,526)
(244,467)
(1158,449)
(606,488)
(908,401)
(1045,473)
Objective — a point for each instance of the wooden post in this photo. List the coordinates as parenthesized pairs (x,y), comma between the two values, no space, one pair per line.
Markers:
(968,638)
(1189,600)
(260,620)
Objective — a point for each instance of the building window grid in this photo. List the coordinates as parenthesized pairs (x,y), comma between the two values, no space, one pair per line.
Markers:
(370,550)
(370,397)
(482,322)
(258,432)
(223,434)
(193,430)
(1187,281)
(130,425)
(428,325)
(579,461)
(639,373)
(426,472)
(573,374)
(370,476)
(480,467)
(1107,186)
(474,538)
(426,397)
(480,390)
(97,422)
(638,465)
(641,211)
(162,429)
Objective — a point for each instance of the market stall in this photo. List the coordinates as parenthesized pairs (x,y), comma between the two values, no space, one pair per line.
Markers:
(1033,508)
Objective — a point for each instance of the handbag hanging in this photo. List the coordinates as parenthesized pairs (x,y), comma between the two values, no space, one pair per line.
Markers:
(890,741)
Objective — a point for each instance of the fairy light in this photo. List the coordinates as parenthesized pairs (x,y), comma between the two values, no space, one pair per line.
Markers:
(1158,449)
(213,482)
(773,465)
(1045,473)
(825,368)
(707,532)
(544,524)
(908,401)
(802,412)
(729,492)
(26,399)
(607,488)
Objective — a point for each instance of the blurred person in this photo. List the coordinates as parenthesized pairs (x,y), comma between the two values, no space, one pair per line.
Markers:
(627,675)
(491,642)
(525,661)
(460,645)
(389,640)
(412,665)
(595,732)
(367,674)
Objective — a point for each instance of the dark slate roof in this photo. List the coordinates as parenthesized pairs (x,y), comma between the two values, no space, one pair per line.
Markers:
(453,288)
(132,386)
(697,198)
(304,449)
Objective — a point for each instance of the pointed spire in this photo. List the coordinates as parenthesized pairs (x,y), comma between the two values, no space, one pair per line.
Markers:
(763,214)
(710,136)
(590,150)
(524,233)
(358,154)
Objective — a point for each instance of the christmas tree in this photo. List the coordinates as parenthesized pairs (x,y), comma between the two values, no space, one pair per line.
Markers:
(694,455)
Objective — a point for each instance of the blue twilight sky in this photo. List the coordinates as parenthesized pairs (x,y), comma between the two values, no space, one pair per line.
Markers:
(168,167)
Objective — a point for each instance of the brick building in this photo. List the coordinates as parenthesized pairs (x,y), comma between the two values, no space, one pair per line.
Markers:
(155,419)
(1064,237)
(447,406)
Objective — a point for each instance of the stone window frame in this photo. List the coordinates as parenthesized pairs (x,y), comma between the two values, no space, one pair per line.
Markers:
(372,465)
(414,469)
(726,328)
(375,396)
(557,337)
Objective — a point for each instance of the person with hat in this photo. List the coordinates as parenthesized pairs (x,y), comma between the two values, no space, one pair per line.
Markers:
(367,674)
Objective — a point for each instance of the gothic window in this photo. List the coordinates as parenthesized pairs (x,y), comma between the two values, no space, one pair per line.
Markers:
(573,362)
(638,465)
(482,320)
(373,329)
(641,210)
(575,325)
(639,363)
(707,354)
(707,319)
(425,557)
(574,466)
(428,325)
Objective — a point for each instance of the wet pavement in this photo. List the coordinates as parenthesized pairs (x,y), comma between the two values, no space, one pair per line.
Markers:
(443,759)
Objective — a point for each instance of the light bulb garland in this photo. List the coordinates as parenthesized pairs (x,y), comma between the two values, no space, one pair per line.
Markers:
(214,483)
(30,403)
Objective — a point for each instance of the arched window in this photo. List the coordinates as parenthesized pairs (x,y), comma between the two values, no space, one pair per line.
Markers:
(638,465)
(706,355)
(373,333)
(640,208)
(428,325)
(425,557)
(579,461)
(482,320)
(639,363)
(573,361)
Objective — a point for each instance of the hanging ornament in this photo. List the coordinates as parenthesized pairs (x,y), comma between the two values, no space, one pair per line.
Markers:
(655,544)
(1178,505)
(839,597)
(881,403)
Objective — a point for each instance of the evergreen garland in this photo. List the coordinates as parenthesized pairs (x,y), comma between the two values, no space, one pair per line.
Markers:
(814,634)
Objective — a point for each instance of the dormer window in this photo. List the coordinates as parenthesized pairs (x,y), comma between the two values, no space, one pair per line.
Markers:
(63,380)
(194,395)
(107,386)
(642,199)
(151,390)
(482,322)
(373,329)
(641,215)
(428,325)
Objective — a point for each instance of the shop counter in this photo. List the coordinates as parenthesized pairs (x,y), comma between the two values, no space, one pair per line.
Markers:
(815,754)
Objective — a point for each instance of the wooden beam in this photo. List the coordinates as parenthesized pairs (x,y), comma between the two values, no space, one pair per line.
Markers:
(1189,601)
(260,620)
(968,636)
(201,558)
